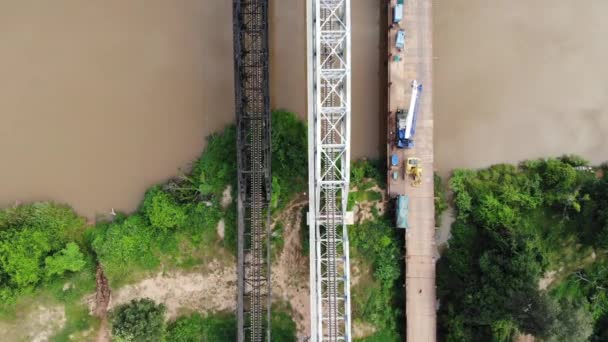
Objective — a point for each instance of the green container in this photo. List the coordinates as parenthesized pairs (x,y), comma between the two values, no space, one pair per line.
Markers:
(402,211)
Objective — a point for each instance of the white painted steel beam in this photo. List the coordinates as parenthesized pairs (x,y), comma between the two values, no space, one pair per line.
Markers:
(329,107)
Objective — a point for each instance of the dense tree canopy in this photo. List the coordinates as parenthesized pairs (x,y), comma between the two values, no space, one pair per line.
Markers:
(36,243)
(125,244)
(513,224)
(140,320)
(162,210)
(594,213)
(69,259)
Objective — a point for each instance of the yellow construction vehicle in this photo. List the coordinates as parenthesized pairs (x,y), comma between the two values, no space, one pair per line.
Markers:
(413,168)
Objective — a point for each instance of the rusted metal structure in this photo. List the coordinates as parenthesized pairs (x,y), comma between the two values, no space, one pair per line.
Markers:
(252,105)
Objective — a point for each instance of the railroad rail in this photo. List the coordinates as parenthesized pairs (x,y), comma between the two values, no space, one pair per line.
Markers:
(252,105)
(329,108)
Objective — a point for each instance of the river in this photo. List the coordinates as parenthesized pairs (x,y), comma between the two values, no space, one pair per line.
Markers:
(519,79)
(101,100)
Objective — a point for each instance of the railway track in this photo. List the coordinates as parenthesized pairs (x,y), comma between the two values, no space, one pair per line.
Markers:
(252,104)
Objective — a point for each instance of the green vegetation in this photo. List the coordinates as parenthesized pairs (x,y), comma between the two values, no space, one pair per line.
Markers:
(379,300)
(77,320)
(289,157)
(222,327)
(68,259)
(144,320)
(48,254)
(363,169)
(441,202)
(365,175)
(282,326)
(376,245)
(162,210)
(215,169)
(126,245)
(139,320)
(186,329)
(176,226)
(513,225)
(38,242)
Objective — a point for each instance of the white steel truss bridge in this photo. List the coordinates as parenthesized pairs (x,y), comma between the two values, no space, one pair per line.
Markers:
(329,108)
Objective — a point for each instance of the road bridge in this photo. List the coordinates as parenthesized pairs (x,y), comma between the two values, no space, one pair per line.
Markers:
(414,62)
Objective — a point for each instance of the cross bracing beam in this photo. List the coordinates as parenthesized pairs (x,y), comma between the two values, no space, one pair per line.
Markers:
(329,158)
(252,105)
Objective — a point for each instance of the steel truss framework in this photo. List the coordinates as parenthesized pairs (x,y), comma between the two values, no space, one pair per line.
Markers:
(250,19)
(329,167)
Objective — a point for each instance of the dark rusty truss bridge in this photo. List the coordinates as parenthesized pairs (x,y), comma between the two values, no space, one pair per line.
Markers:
(252,105)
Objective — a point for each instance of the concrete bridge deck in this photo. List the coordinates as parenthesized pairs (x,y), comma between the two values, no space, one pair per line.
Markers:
(416,63)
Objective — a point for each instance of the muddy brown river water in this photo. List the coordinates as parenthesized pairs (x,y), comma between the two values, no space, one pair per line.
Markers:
(519,79)
(100,100)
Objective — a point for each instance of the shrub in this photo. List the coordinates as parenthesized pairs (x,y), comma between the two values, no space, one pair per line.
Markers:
(162,211)
(283,328)
(365,168)
(68,259)
(22,254)
(441,202)
(289,151)
(29,234)
(139,320)
(219,327)
(122,245)
(201,222)
(186,329)
(217,166)
(379,243)
(59,220)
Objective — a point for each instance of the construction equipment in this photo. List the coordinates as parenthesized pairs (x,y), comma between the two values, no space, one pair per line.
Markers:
(406,121)
(401,142)
(413,169)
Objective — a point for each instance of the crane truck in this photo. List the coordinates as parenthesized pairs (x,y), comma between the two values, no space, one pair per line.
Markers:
(406,123)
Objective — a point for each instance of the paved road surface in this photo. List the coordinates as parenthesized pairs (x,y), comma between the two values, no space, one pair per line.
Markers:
(420,238)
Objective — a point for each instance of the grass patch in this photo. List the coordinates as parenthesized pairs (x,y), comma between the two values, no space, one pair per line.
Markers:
(78,320)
